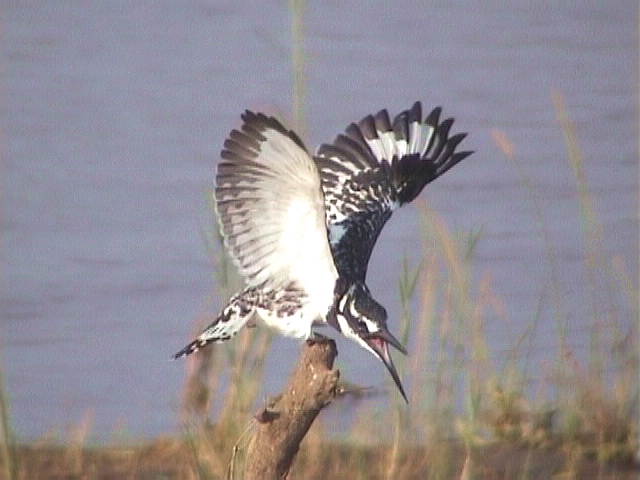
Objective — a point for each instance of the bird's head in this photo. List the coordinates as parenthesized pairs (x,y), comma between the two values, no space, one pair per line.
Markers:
(364,320)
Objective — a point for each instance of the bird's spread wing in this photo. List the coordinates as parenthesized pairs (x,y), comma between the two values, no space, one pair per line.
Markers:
(373,168)
(270,207)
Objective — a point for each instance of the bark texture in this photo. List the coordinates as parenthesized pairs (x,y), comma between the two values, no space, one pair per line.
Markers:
(285,421)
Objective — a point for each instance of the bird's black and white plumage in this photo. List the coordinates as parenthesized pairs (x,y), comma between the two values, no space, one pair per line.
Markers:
(301,229)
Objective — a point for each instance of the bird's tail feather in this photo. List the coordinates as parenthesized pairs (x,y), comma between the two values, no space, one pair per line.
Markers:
(233,317)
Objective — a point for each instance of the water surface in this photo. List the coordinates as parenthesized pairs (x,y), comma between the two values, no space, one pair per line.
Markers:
(113,115)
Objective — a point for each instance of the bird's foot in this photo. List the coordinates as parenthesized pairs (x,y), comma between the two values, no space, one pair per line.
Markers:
(317,338)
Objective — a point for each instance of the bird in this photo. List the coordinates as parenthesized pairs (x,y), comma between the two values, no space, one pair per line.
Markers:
(301,227)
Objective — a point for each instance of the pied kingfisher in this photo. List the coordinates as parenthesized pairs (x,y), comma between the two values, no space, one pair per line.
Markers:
(301,228)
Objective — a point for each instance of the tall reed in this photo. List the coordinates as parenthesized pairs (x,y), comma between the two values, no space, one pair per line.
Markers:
(7,443)
(242,358)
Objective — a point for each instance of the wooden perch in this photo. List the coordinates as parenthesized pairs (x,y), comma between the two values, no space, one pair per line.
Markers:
(285,421)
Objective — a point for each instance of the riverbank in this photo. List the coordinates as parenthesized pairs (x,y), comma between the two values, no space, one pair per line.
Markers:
(168,458)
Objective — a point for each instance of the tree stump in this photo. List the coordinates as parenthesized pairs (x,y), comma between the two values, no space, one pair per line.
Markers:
(285,421)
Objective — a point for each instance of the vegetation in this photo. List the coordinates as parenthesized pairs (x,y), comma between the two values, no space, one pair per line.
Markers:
(587,429)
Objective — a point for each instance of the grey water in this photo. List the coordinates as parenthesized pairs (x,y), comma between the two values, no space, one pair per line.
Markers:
(113,114)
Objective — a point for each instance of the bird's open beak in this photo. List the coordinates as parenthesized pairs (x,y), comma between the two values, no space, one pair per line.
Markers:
(380,345)
(391,340)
